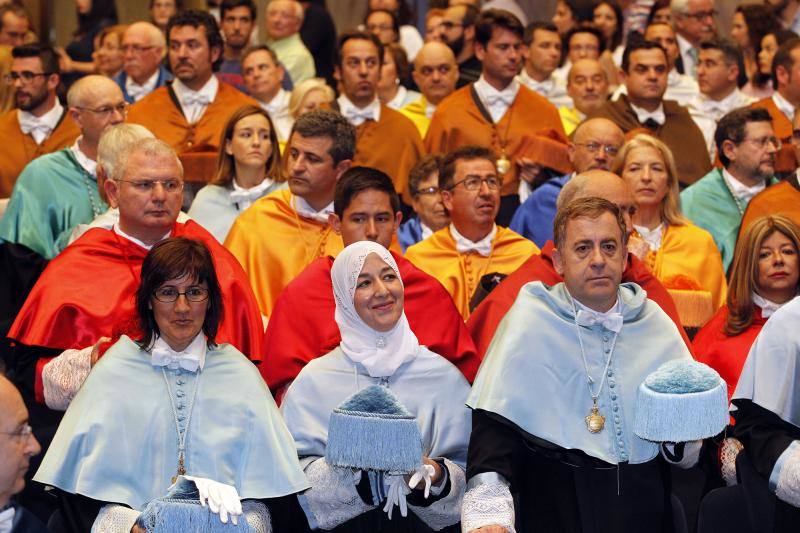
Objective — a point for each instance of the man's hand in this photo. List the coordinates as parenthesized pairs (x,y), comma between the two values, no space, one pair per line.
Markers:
(529,171)
(96,351)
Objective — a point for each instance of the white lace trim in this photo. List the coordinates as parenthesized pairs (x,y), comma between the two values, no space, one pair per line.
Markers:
(115,518)
(690,456)
(257,516)
(788,488)
(63,376)
(333,498)
(727,460)
(446,511)
(488,504)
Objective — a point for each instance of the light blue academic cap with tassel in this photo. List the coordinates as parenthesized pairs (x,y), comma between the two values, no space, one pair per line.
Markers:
(681,401)
(372,430)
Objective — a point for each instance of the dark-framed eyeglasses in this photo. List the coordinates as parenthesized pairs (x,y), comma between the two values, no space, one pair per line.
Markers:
(473,183)
(426,191)
(106,110)
(593,147)
(150,185)
(24,432)
(26,75)
(171,294)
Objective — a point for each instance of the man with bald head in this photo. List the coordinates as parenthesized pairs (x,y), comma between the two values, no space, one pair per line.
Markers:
(594,146)
(17,447)
(58,191)
(599,183)
(143,70)
(283,21)
(587,86)
(436,74)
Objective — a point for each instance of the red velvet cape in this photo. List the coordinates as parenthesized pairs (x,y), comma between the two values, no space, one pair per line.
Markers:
(302,325)
(88,292)
(487,316)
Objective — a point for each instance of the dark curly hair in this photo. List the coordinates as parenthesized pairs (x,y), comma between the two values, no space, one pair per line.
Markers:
(196,18)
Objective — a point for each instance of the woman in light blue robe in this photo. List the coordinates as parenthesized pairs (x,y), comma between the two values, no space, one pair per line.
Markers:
(173,403)
(248,167)
(378,348)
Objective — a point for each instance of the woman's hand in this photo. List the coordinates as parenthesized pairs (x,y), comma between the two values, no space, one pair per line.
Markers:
(96,351)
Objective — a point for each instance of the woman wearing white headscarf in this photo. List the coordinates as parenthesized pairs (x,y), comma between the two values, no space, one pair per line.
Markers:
(378,348)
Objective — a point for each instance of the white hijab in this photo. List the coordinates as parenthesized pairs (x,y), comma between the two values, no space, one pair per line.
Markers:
(380,353)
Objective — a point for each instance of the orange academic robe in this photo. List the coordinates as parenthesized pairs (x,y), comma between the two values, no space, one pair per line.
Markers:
(459,121)
(20,149)
(274,244)
(392,145)
(780,199)
(785,161)
(461,273)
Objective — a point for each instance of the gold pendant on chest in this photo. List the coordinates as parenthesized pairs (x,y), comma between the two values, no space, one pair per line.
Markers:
(595,421)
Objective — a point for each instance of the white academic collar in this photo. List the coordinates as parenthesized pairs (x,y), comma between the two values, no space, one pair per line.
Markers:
(7,519)
(89,165)
(305,210)
(399,98)
(464,245)
(580,307)
(209,89)
(358,115)
(651,236)
(430,108)
(279,102)
(196,351)
(783,105)
(426,231)
(134,240)
(545,86)
(740,190)
(485,90)
(49,118)
(141,90)
(768,307)
(642,114)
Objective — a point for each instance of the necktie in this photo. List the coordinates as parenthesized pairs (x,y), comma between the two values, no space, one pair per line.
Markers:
(651,124)
(173,360)
(611,321)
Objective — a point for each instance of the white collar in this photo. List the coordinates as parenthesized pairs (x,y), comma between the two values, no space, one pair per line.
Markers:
(464,245)
(739,189)
(136,91)
(642,114)
(768,307)
(358,115)
(544,87)
(7,519)
(194,103)
(426,231)
(43,125)
(728,102)
(278,104)
(399,99)
(430,109)
(89,165)
(580,307)
(683,45)
(497,102)
(651,236)
(305,210)
(134,240)
(783,105)
(244,198)
(191,358)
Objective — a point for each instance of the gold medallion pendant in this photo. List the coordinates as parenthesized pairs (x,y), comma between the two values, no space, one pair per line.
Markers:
(595,421)
(503,165)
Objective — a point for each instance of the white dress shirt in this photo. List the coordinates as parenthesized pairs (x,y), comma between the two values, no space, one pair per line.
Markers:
(89,165)
(642,115)
(136,91)
(305,210)
(278,110)
(783,105)
(680,87)
(358,115)
(651,236)
(554,89)
(464,245)
(41,127)
(741,191)
(689,63)
(134,240)
(496,102)
(768,307)
(244,198)
(194,103)
(716,109)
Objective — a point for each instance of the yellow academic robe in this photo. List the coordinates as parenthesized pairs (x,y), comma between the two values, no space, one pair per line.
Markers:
(416,113)
(274,244)
(461,273)
(688,250)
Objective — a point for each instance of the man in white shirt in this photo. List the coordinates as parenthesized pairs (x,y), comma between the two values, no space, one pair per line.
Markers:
(542,54)
(694,22)
(283,21)
(143,46)
(263,77)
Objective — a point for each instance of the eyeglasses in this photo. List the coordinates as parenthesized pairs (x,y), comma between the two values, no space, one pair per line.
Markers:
(106,110)
(473,183)
(593,148)
(426,191)
(135,48)
(171,294)
(149,185)
(22,433)
(702,15)
(764,141)
(26,76)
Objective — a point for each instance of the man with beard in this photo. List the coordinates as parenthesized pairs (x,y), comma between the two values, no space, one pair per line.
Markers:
(472,247)
(237,18)
(143,72)
(458,32)
(746,146)
(40,124)
(191,113)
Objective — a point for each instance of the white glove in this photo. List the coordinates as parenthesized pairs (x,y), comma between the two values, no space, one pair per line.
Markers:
(222,499)
(396,494)
(425,472)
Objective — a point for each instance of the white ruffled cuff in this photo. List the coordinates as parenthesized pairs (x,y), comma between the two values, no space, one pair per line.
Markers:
(785,476)
(115,518)
(488,501)
(63,376)
(447,510)
(333,498)
(727,460)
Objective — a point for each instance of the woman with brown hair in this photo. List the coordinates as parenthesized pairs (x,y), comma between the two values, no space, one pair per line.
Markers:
(248,167)
(108,56)
(394,72)
(764,276)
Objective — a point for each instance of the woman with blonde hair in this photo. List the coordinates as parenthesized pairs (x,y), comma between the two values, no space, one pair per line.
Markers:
(681,255)
(308,95)
(248,168)
(764,276)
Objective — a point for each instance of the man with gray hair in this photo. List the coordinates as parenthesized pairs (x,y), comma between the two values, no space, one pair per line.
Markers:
(694,23)
(69,313)
(143,70)
(283,21)
(58,191)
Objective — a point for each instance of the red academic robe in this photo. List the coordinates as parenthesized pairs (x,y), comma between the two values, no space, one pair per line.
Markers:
(487,316)
(88,292)
(302,325)
(726,354)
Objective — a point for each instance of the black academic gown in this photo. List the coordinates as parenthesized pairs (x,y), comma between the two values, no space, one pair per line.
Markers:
(557,490)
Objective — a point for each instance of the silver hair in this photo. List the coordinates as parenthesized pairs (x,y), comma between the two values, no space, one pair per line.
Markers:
(299,12)
(679,6)
(114,142)
(150,147)
(154,35)
(85,89)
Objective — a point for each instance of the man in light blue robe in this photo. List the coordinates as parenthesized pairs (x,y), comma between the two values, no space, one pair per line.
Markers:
(58,191)
(554,401)
(747,147)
